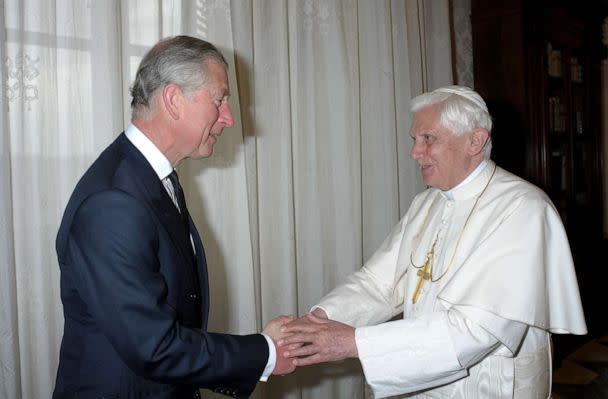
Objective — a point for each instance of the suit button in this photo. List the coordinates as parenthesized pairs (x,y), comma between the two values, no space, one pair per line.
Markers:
(192,297)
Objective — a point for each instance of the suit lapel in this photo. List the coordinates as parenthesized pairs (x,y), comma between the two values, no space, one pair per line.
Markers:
(152,191)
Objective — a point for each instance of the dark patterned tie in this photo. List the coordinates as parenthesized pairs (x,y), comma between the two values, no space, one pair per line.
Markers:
(181,201)
(192,315)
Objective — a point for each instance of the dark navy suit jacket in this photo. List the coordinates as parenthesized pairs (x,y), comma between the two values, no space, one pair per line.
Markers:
(135,298)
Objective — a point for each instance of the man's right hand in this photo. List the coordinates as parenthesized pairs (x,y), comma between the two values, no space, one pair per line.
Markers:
(283,365)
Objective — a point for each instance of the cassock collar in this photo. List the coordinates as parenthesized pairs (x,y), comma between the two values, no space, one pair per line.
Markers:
(473,184)
(155,158)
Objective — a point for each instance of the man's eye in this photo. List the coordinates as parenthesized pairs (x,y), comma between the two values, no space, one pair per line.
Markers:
(220,101)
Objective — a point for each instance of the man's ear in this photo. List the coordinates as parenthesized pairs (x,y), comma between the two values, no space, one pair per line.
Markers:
(172,99)
(478,139)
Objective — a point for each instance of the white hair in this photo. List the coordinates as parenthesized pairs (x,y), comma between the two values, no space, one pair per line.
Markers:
(461,110)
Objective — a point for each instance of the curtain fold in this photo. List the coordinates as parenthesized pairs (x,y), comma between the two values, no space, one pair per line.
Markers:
(10,373)
(298,194)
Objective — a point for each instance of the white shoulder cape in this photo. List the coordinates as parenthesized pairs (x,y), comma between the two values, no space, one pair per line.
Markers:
(515,261)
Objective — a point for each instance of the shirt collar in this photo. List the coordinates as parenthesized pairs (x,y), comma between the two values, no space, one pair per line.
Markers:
(155,158)
(450,193)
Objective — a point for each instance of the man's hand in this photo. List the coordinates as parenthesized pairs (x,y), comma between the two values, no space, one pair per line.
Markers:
(284,365)
(273,328)
(322,340)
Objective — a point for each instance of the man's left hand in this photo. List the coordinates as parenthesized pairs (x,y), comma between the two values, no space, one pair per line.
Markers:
(322,340)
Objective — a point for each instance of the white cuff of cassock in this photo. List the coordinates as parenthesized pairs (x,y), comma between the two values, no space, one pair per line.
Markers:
(272,359)
(409,355)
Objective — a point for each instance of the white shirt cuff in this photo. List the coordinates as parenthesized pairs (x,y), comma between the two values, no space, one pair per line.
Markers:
(272,359)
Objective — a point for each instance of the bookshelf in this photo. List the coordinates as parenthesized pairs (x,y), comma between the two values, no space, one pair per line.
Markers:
(538,65)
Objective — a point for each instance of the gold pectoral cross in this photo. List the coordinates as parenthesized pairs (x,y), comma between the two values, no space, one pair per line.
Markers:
(424,274)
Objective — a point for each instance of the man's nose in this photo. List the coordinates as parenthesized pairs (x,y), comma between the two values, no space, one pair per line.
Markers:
(226,118)
(416,151)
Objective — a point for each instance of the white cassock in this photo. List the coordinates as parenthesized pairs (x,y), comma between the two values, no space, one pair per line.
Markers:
(483,329)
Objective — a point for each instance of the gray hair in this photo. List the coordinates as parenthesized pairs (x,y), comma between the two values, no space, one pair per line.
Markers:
(180,60)
(460,109)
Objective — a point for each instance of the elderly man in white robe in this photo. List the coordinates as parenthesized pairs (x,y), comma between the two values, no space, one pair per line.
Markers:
(480,266)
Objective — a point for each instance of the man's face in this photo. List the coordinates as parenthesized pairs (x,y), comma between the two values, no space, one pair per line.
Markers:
(442,156)
(206,113)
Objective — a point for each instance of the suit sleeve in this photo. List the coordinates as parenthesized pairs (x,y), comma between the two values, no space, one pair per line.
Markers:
(112,247)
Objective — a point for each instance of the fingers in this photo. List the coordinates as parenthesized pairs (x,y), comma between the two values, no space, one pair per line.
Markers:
(313,339)
(307,323)
(306,350)
(273,328)
(300,328)
(293,346)
(320,313)
(307,361)
(298,339)
(308,340)
(282,319)
(317,320)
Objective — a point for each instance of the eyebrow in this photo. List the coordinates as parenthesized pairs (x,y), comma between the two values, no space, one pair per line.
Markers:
(425,133)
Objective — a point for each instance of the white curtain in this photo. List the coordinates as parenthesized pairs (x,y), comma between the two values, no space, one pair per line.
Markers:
(298,193)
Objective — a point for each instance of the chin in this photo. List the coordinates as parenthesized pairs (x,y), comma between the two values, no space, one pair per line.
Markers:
(432,183)
(427,180)
(205,152)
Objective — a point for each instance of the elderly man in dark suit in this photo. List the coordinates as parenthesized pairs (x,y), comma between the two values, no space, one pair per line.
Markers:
(133,272)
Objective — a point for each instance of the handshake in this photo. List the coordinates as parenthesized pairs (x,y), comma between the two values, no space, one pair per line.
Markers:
(311,339)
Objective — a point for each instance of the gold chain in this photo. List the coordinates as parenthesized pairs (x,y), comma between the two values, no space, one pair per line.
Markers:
(417,237)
